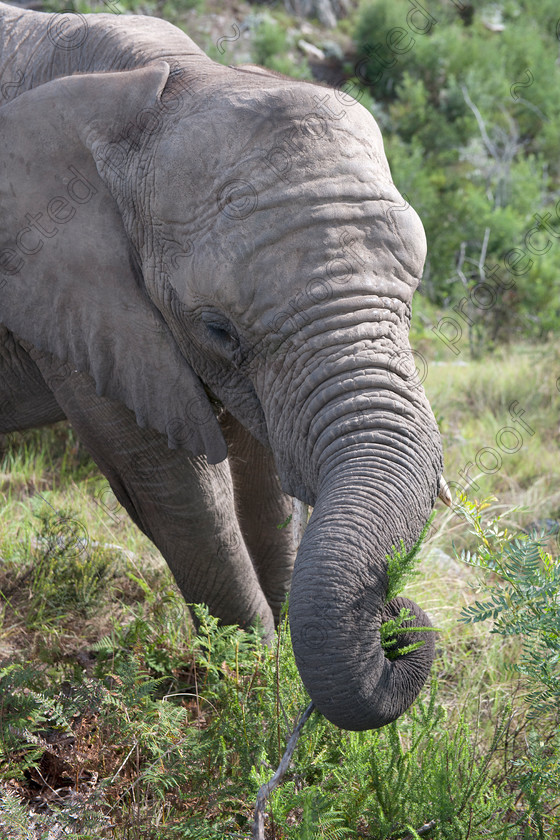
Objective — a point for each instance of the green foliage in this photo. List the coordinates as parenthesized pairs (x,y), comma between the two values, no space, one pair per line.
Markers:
(470,116)
(156,635)
(390,631)
(523,599)
(396,779)
(198,744)
(197,755)
(269,40)
(270,47)
(15,817)
(67,573)
(402,565)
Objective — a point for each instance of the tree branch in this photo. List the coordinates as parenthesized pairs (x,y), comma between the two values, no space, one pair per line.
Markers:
(421,831)
(482,258)
(491,147)
(266,789)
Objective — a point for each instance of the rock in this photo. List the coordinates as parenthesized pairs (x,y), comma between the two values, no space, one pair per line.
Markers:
(327,11)
(311,50)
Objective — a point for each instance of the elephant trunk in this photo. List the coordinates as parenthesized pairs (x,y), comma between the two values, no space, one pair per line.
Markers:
(337,606)
(377,478)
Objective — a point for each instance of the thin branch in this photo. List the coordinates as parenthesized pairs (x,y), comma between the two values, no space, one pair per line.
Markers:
(534,108)
(460,262)
(483,250)
(135,744)
(491,147)
(421,831)
(266,789)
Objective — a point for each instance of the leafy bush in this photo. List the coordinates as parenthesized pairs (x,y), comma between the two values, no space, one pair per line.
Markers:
(200,763)
(470,114)
(522,598)
(67,574)
(269,40)
(171,733)
(270,46)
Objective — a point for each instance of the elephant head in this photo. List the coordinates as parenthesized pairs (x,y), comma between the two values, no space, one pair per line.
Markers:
(227,236)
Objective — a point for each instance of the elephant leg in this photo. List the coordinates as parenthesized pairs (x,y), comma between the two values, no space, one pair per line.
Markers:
(183,504)
(25,399)
(261,508)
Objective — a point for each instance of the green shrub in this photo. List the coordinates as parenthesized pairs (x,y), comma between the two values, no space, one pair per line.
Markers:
(522,598)
(198,754)
(67,573)
(470,118)
(268,42)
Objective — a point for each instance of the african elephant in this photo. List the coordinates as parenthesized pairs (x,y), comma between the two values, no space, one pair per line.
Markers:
(208,271)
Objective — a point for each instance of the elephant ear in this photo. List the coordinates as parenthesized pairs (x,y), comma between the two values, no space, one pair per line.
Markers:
(69,282)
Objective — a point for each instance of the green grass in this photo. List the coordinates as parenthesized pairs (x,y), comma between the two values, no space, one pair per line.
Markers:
(471,401)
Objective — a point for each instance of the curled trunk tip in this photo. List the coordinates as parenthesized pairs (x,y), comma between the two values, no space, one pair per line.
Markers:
(374,691)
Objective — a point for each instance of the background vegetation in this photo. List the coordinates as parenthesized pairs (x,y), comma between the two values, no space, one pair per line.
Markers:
(116,718)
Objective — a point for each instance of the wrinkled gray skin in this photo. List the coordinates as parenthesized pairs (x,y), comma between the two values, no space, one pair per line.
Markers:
(175,317)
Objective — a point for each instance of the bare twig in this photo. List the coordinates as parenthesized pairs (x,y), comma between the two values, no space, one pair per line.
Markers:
(460,262)
(483,251)
(266,789)
(422,830)
(502,150)
(300,515)
(491,147)
(134,746)
(533,108)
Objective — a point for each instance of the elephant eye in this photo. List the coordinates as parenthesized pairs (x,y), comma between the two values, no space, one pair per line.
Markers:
(221,331)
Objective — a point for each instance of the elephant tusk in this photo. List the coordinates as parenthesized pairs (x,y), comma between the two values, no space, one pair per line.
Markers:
(444,492)
(300,515)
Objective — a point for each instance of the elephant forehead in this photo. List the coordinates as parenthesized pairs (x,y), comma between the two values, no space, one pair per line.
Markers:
(287,254)
(272,194)
(263,137)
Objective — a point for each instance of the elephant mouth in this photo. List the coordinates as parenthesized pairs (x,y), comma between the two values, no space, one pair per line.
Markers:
(239,397)
(216,404)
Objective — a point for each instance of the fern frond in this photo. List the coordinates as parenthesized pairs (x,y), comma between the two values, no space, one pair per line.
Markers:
(402,565)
